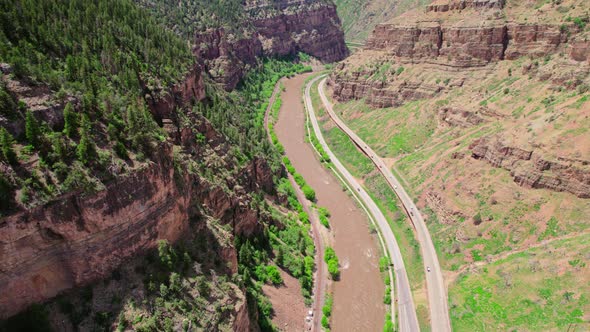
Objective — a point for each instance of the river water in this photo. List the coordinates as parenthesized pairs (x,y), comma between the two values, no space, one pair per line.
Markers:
(358,296)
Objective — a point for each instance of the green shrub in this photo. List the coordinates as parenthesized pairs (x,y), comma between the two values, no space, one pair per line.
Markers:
(308,192)
(332,260)
(327,308)
(384,263)
(71,121)
(387,296)
(324,214)
(274,275)
(121,150)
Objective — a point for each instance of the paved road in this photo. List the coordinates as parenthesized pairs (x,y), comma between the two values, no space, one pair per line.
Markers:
(437,294)
(407,318)
(320,277)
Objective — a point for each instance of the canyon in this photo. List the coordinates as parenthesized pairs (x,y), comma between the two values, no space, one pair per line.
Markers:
(80,238)
(298,26)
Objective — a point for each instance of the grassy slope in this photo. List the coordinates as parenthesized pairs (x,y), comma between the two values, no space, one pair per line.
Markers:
(513,217)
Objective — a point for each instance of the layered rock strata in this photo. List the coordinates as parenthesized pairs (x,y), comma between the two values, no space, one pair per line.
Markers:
(455,48)
(529,168)
(456,5)
(467,46)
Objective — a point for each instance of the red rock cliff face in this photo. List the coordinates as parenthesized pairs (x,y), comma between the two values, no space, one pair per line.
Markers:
(79,239)
(279,29)
(530,169)
(445,6)
(468,46)
(454,47)
(316,32)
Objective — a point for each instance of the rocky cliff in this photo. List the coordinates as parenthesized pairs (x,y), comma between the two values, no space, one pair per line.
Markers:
(78,239)
(529,168)
(454,5)
(456,36)
(278,30)
(468,46)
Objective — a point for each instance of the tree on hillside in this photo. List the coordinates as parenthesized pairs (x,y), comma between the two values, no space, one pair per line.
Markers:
(6,143)
(70,121)
(32,129)
(86,149)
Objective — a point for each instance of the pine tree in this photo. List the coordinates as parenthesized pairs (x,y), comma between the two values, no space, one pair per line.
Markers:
(6,143)
(32,129)
(70,121)
(85,150)
(5,194)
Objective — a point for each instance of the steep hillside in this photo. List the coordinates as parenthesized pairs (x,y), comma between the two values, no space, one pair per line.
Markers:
(359,17)
(482,108)
(134,188)
(229,44)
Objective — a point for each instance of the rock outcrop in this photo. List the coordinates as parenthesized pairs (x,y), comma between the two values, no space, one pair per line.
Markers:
(468,46)
(280,29)
(455,117)
(529,168)
(379,93)
(455,5)
(535,40)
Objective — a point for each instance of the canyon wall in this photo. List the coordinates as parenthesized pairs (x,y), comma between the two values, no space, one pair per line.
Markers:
(280,29)
(468,46)
(451,48)
(457,5)
(81,238)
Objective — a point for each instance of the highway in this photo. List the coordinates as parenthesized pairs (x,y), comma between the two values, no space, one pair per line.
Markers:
(437,293)
(407,319)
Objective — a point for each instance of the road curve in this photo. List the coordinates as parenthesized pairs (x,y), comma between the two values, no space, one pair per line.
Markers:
(437,294)
(408,321)
(320,277)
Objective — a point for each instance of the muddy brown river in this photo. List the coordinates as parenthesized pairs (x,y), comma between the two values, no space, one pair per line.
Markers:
(358,295)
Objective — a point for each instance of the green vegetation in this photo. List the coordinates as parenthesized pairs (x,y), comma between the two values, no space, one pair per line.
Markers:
(388,326)
(327,312)
(324,214)
(7,146)
(109,61)
(268,273)
(511,293)
(333,265)
(62,45)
